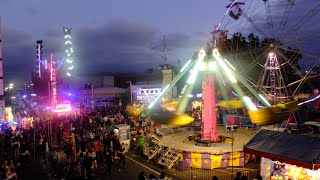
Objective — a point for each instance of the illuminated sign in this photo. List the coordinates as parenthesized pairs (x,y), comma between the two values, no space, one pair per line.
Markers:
(53,80)
(62,108)
(148,91)
(146,95)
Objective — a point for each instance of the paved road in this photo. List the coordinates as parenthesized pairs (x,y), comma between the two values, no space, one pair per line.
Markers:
(133,168)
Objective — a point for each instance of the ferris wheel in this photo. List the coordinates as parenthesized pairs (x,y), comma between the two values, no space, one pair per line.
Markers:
(272,43)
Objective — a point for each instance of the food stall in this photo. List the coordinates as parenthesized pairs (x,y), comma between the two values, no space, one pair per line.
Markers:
(275,170)
(286,156)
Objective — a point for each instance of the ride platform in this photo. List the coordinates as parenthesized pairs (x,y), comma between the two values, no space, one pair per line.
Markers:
(185,139)
(182,145)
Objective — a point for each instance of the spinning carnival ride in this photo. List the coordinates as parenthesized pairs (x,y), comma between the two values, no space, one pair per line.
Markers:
(271,42)
(284,40)
(211,67)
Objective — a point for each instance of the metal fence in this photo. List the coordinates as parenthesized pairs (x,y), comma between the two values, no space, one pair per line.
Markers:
(222,174)
(207,174)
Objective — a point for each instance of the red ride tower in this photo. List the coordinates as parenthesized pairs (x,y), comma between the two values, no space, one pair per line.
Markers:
(209,130)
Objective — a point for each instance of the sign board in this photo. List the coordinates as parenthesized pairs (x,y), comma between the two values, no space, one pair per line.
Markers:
(62,108)
(47,117)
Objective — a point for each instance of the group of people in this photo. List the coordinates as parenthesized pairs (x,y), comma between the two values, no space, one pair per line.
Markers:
(143,176)
(85,142)
(90,144)
(15,147)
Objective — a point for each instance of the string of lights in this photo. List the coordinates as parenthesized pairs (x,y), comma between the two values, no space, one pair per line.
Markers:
(68,51)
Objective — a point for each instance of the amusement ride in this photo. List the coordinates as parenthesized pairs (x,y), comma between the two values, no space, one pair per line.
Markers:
(270,98)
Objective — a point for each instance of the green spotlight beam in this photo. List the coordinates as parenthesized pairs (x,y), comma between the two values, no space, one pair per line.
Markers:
(263,101)
(190,84)
(230,76)
(222,87)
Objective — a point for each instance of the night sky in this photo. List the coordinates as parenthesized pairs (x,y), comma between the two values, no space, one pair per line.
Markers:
(110,36)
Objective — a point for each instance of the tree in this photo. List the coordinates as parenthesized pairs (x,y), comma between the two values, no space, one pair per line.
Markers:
(248,54)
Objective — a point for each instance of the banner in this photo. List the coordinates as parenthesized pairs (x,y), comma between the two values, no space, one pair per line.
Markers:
(206,161)
(216,161)
(212,161)
(187,158)
(196,160)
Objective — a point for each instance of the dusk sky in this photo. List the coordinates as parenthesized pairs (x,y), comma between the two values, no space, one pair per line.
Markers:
(108,36)
(119,36)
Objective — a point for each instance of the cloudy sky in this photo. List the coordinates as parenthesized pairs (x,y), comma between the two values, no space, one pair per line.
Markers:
(125,35)
(108,36)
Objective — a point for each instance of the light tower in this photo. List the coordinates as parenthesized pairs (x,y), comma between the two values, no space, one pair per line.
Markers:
(167,74)
(2,97)
(39,48)
(68,50)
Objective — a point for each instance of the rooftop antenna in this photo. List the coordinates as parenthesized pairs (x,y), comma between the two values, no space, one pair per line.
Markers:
(165,54)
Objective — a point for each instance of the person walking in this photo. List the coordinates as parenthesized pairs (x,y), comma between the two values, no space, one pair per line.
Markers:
(108,158)
(54,160)
(121,156)
(87,163)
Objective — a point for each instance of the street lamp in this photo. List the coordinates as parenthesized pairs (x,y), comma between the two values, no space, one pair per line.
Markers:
(130,82)
(232,128)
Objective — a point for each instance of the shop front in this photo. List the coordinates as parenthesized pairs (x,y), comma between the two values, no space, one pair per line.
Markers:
(286,156)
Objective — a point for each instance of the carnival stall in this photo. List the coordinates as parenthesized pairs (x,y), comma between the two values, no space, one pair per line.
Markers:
(123,132)
(286,156)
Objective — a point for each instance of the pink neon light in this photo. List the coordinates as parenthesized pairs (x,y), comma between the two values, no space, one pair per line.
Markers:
(39,60)
(62,108)
(51,67)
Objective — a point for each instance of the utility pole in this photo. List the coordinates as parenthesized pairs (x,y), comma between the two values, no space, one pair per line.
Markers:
(49,123)
(2,97)
(92,101)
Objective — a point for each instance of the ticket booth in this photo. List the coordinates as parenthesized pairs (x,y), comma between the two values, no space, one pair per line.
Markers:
(123,132)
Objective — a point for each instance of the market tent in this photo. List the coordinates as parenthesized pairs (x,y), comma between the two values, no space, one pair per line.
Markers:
(294,149)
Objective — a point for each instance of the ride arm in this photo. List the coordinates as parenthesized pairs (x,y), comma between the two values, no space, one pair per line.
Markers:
(223,65)
(230,67)
(188,88)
